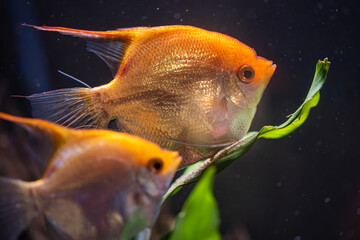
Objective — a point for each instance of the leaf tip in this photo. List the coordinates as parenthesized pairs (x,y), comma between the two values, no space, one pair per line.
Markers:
(326,63)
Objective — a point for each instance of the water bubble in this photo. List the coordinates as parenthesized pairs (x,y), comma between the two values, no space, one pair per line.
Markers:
(297,213)
(278,184)
(251,15)
(327,200)
(177,15)
(297,237)
(358,211)
(346,11)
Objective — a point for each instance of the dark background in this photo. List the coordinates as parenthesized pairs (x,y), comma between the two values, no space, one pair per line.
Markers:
(304,186)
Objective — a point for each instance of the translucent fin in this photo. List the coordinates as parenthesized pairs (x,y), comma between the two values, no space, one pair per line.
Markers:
(71,107)
(16,208)
(110,51)
(110,46)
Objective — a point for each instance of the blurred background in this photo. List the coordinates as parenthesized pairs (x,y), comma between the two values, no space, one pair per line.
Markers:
(304,186)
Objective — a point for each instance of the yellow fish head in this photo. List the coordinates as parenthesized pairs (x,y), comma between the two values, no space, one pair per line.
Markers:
(249,75)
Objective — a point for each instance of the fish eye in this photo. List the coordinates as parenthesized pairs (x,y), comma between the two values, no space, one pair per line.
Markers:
(246,73)
(155,165)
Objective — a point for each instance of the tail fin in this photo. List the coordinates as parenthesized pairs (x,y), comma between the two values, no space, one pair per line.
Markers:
(73,107)
(16,208)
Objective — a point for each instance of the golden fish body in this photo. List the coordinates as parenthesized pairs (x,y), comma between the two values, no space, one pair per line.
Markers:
(183,87)
(98,185)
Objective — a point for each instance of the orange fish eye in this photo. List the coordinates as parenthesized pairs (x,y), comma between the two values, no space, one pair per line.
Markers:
(246,73)
(155,165)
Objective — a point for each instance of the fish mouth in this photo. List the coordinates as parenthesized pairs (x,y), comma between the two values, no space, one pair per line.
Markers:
(271,67)
(268,66)
(268,70)
(174,164)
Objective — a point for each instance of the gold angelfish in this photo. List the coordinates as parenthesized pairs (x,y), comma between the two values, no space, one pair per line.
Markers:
(99,184)
(182,87)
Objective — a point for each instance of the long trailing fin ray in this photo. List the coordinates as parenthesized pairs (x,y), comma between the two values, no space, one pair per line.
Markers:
(16,208)
(74,78)
(110,46)
(82,33)
(73,107)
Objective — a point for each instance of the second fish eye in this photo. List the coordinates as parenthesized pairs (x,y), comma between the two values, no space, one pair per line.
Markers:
(155,165)
(246,73)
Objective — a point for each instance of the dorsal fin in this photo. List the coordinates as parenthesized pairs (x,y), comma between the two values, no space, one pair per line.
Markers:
(44,139)
(110,51)
(55,132)
(110,46)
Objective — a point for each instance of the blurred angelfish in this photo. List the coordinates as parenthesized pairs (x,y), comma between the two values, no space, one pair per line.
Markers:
(99,184)
(182,87)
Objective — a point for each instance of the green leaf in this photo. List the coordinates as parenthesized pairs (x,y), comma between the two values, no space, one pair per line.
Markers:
(238,149)
(187,170)
(199,218)
(301,114)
